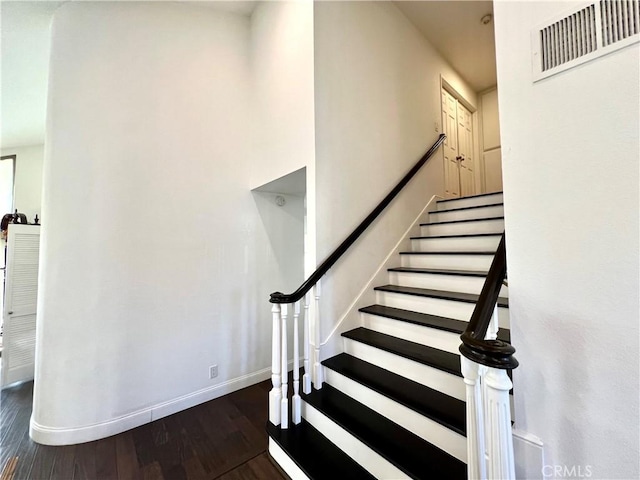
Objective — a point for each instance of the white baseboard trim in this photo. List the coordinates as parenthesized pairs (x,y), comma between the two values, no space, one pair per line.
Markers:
(528,453)
(355,305)
(47,435)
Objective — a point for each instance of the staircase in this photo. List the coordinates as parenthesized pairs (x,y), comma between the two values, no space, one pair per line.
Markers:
(393,403)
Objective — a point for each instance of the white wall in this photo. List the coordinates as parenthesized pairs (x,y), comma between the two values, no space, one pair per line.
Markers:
(283,109)
(28,179)
(491,151)
(570,146)
(377,99)
(155,260)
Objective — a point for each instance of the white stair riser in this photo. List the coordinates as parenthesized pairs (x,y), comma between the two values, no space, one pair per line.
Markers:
(442,261)
(284,461)
(435,281)
(464,228)
(482,212)
(447,383)
(432,337)
(440,436)
(459,244)
(367,458)
(471,202)
(436,306)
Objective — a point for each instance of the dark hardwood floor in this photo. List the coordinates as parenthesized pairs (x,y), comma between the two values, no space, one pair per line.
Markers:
(222,439)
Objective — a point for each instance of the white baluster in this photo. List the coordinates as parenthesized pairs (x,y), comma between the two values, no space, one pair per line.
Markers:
(284,403)
(275,395)
(306,378)
(492,330)
(296,402)
(476,463)
(500,445)
(317,366)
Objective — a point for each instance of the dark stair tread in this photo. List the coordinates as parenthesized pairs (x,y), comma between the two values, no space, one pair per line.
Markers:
(427,320)
(315,454)
(439,271)
(444,252)
(466,235)
(426,292)
(470,196)
(468,208)
(439,407)
(410,453)
(461,221)
(433,357)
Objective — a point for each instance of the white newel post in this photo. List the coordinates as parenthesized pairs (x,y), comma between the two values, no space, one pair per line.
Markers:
(306,378)
(317,366)
(476,463)
(492,334)
(275,395)
(500,444)
(296,402)
(284,403)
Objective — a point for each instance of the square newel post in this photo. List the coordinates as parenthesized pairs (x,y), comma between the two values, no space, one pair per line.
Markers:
(476,462)
(275,395)
(500,444)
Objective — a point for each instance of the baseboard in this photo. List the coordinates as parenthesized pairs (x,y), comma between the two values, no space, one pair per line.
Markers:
(528,452)
(47,435)
(358,303)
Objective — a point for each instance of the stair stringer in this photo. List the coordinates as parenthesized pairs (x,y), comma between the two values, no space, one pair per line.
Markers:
(333,343)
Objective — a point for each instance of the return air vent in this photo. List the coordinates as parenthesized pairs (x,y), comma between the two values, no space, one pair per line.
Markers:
(587,32)
(620,20)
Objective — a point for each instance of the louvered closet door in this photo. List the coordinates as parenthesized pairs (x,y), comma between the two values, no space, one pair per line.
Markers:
(21,294)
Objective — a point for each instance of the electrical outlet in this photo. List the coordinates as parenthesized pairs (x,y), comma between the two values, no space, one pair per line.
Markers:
(213,371)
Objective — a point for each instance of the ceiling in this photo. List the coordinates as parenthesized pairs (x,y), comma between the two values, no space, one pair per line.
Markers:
(455,30)
(452,27)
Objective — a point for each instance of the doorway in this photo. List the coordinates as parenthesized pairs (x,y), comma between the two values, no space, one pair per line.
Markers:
(459,157)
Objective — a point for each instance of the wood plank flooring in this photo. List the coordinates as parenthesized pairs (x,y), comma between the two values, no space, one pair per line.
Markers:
(223,439)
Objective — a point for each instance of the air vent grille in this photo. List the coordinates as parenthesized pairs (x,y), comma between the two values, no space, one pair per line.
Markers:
(620,20)
(568,39)
(584,33)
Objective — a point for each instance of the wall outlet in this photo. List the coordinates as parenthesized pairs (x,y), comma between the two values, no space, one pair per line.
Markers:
(213,371)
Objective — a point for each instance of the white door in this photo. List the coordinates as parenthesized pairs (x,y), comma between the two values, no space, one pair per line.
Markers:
(21,294)
(465,151)
(450,129)
(457,125)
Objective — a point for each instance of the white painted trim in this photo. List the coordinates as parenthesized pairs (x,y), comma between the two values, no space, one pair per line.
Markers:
(431,337)
(382,267)
(442,437)
(285,462)
(368,458)
(46,435)
(427,375)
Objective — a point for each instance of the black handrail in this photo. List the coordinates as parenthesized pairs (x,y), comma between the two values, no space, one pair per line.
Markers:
(492,353)
(278,297)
